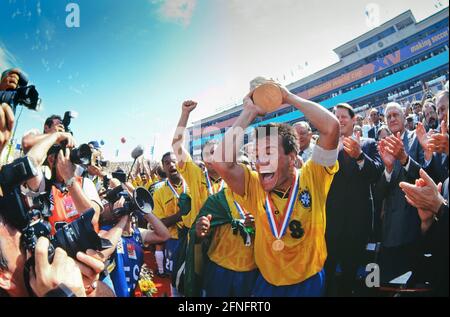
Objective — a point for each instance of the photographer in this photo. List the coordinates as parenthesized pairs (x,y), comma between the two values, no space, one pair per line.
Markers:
(14,90)
(52,124)
(12,263)
(129,255)
(10,79)
(71,195)
(78,275)
(95,170)
(15,246)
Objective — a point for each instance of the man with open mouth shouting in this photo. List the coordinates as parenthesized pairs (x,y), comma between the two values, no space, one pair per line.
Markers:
(288,204)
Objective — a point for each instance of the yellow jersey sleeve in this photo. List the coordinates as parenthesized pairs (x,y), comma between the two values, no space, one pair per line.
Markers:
(320,176)
(195,179)
(253,192)
(158,209)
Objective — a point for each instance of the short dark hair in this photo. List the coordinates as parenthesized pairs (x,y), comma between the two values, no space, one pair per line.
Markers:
(287,133)
(345,106)
(165,155)
(49,120)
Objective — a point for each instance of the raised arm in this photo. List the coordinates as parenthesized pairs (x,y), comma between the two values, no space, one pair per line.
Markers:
(178,139)
(159,234)
(225,162)
(38,153)
(321,118)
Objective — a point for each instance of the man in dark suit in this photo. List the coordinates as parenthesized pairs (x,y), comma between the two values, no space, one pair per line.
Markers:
(431,201)
(349,204)
(375,118)
(403,157)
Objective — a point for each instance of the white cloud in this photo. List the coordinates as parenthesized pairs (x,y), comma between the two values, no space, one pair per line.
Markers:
(178,11)
(7,59)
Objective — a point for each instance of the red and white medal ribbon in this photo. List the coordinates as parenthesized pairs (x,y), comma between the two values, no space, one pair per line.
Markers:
(277,230)
(239,209)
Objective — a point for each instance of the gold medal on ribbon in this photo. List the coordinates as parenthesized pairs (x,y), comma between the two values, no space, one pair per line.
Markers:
(278,245)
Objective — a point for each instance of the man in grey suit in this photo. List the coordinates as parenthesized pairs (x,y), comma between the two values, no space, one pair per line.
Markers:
(403,157)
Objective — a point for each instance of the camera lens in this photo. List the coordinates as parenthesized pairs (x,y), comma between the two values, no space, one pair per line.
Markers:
(81,155)
(78,236)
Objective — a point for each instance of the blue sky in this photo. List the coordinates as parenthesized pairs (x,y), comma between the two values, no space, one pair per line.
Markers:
(130,64)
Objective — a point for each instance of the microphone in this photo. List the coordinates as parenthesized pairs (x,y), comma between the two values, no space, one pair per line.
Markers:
(135,154)
(138,151)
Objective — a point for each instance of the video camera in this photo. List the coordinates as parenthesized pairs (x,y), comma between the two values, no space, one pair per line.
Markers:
(23,95)
(140,201)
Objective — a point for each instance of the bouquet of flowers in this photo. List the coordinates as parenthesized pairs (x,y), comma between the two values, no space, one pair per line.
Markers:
(146,285)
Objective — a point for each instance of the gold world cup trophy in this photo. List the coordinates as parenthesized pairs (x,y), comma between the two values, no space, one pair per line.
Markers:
(267,94)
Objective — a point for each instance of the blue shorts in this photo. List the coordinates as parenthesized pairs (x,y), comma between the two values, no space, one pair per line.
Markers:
(312,287)
(221,282)
(170,251)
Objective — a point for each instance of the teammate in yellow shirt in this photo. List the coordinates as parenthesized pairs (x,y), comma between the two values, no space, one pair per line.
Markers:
(201,183)
(230,269)
(166,208)
(288,204)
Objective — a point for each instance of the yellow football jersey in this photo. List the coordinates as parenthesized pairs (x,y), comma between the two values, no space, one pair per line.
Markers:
(166,205)
(227,249)
(305,251)
(198,189)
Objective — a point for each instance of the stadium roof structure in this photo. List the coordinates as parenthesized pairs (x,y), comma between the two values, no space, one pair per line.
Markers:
(389,33)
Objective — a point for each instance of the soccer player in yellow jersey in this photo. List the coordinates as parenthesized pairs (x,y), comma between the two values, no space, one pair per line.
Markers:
(230,269)
(166,208)
(288,204)
(201,183)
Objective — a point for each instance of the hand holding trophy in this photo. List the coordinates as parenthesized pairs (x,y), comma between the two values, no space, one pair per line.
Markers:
(266,94)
